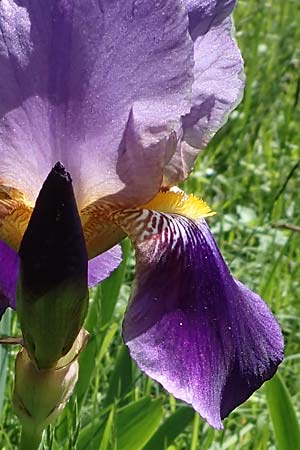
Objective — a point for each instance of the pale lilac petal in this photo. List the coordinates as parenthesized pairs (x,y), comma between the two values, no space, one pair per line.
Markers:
(218,84)
(9,269)
(99,86)
(205,337)
(103,265)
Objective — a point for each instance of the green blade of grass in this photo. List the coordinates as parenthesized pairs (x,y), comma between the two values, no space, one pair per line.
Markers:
(110,288)
(4,331)
(108,434)
(132,427)
(170,429)
(100,314)
(137,422)
(283,415)
(121,377)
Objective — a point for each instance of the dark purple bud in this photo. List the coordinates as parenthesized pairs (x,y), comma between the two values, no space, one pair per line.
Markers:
(52,293)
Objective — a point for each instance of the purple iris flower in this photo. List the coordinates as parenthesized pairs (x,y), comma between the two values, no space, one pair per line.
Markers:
(124,93)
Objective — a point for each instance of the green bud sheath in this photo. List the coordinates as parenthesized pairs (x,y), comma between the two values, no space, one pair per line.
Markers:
(41,394)
(52,293)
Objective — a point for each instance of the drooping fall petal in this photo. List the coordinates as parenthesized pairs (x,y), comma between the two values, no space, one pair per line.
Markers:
(190,325)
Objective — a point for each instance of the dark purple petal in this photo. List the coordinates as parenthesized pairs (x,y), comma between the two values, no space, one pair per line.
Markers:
(9,268)
(99,86)
(103,265)
(204,336)
(218,84)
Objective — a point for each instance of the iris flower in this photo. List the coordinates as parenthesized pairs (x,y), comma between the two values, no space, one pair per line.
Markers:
(120,96)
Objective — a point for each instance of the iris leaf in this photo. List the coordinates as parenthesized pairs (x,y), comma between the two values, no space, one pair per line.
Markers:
(283,414)
(129,428)
(108,432)
(110,288)
(121,377)
(170,429)
(97,324)
(4,331)
(137,422)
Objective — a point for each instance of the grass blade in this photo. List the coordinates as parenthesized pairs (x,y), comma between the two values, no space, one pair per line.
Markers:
(283,415)
(170,429)
(110,288)
(137,422)
(121,378)
(4,331)
(97,324)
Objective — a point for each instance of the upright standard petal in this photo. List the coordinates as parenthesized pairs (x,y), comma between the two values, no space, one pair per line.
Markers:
(204,336)
(9,268)
(218,81)
(99,86)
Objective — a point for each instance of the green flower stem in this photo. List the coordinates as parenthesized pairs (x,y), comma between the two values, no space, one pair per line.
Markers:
(30,439)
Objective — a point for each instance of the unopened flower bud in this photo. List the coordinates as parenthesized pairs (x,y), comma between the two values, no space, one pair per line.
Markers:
(52,293)
(41,394)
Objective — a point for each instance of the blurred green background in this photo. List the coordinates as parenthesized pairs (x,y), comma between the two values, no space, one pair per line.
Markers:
(250,175)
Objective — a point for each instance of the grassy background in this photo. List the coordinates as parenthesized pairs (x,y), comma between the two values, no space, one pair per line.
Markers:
(250,174)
